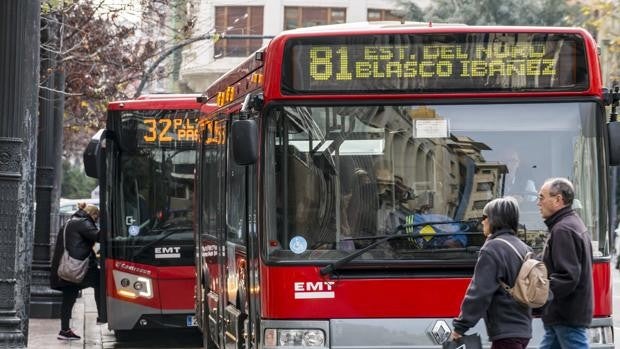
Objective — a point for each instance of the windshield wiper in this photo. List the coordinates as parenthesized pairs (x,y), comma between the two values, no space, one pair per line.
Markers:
(380,239)
(171,231)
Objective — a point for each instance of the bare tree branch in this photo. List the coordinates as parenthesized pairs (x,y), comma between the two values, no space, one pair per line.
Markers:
(58,91)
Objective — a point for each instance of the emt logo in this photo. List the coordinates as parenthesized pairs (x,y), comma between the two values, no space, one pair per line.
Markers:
(311,290)
(168,252)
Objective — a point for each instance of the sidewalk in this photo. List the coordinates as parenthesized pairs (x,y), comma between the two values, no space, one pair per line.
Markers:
(42,332)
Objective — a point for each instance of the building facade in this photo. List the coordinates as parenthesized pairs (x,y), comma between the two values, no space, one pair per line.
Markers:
(205,61)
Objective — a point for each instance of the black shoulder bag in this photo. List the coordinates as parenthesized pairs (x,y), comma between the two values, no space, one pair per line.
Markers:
(471,341)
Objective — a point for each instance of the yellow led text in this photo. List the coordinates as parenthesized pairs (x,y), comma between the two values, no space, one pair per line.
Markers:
(345,63)
(168,130)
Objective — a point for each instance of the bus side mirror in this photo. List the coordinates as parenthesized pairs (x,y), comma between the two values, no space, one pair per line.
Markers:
(92,155)
(244,134)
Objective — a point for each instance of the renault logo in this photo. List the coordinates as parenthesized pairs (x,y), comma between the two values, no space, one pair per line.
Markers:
(440,332)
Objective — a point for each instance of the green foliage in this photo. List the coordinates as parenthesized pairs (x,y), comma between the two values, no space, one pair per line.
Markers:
(411,11)
(75,183)
(497,12)
(49,6)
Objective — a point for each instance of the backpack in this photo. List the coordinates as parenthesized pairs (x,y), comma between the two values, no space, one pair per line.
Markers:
(531,288)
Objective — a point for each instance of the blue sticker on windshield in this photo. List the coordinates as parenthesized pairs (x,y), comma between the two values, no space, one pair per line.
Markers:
(298,244)
(134,230)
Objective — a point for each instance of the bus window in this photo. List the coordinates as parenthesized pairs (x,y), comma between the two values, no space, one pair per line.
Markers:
(235,200)
(357,172)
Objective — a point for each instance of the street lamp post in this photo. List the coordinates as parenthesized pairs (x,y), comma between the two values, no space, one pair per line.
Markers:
(45,302)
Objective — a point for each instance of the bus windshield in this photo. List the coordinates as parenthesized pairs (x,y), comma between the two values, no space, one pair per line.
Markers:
(155,180)
(347,175)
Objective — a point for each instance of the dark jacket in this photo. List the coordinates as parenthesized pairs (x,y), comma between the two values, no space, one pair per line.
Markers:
(82,234)
(568,257)
(485,298)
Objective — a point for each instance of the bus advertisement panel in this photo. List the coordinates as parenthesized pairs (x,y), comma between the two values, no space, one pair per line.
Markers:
(146,172)
(341,182)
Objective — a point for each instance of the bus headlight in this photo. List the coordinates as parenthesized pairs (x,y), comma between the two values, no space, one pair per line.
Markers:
(313,338)
(294,337)
(138,285)
(132,286)
(601,335)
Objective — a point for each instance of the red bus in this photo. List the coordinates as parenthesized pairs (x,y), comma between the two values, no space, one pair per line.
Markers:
(341,181)
(145,169)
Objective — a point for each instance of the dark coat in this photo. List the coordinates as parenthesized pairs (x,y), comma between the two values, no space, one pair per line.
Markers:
(485,298)
(568,257)
(82,234)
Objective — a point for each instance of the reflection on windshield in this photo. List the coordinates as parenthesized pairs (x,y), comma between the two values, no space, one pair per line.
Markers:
(345,174)
(155,175)
(157,191)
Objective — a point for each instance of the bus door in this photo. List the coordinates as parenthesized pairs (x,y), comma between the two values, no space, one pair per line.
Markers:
(237,279)
(213,230)
(95,164)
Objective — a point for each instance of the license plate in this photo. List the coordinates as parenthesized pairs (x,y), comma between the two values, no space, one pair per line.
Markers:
(191,321)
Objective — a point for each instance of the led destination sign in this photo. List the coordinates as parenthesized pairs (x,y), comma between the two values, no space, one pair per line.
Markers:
(164,130)
(157,129)
(435,62)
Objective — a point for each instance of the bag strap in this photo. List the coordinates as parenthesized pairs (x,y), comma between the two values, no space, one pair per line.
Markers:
(505,285)
(513,248)
(64,235)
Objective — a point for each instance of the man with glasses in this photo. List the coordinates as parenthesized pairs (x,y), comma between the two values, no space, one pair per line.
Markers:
(568,257)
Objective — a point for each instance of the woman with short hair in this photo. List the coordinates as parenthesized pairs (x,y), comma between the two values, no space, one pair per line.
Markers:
(508,323)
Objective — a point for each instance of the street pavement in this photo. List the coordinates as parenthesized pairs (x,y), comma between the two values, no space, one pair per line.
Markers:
(42,332)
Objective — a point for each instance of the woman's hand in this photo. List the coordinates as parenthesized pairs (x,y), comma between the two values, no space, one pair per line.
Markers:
(455,335)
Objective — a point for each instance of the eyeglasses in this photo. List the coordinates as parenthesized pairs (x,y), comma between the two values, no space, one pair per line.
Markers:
(542,197)
(484,217)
